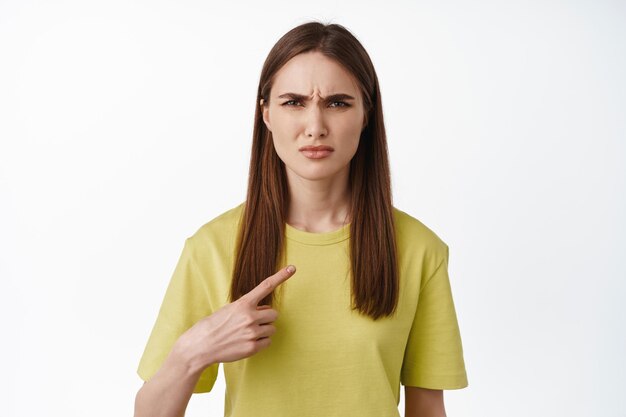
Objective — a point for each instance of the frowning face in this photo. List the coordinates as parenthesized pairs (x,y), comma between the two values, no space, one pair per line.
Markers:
(314,101)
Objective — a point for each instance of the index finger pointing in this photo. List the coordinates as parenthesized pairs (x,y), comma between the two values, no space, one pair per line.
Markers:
(268,285)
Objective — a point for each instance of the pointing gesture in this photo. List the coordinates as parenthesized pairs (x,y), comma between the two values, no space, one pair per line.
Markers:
(268,285)
(237,330)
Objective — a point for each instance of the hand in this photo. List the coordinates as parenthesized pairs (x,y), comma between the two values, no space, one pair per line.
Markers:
(237,330)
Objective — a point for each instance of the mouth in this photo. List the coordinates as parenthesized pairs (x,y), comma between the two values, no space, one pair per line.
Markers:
(316,152)
(317,148)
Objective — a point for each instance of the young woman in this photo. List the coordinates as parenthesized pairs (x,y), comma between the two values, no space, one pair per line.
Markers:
(370,305)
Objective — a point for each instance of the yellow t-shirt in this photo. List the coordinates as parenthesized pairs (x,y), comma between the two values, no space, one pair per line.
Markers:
(325,359)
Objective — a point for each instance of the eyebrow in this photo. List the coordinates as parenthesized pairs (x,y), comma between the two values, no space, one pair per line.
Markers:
(331,97)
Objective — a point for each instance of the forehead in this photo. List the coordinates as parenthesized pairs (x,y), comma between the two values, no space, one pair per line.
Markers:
(314,73)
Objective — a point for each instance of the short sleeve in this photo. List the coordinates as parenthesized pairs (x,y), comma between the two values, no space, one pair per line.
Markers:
(434,354)
(185,302)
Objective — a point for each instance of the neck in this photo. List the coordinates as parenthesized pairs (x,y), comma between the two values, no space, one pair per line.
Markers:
(319,205)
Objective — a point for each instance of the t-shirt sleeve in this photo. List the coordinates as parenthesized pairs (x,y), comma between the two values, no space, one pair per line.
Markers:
(434,354)
(185,302)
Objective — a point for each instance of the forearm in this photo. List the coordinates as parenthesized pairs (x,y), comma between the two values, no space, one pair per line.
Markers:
(168,392)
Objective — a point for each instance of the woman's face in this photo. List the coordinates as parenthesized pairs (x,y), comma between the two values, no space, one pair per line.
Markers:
(304,110)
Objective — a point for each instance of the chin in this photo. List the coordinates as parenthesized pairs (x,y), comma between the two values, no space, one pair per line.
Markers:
(315,173)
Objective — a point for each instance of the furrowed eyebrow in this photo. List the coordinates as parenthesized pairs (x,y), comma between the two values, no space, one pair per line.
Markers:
(332,97)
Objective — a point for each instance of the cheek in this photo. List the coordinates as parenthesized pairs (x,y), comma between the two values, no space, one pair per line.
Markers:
(283,147)
(284,124)
(284,134)
(351,131)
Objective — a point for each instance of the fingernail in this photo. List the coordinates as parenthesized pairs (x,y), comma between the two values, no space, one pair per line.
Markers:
(291,268)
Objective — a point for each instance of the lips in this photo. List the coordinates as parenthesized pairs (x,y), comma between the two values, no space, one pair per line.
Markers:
(317,148)
(316,152)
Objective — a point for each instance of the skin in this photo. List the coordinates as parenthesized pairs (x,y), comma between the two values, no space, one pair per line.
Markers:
(423,402)
(319,189)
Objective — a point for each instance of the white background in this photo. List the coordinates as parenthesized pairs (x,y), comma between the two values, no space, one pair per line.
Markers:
(126,125)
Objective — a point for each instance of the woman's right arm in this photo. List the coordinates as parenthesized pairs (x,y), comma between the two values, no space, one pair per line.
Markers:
(167,393)
(237,330)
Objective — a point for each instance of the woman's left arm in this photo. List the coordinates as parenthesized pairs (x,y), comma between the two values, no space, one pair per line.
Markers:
(423,402)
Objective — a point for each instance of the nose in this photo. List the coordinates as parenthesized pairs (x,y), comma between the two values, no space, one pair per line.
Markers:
(315,122)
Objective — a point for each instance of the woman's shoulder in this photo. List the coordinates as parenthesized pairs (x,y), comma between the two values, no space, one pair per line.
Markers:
(220,228)
(414,235)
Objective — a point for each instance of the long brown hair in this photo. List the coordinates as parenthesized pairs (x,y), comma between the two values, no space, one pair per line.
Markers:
(261,235)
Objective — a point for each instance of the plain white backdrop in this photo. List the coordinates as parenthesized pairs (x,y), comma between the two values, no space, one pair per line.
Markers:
(126,125)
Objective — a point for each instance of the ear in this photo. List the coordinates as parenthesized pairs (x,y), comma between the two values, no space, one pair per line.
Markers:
(265,112)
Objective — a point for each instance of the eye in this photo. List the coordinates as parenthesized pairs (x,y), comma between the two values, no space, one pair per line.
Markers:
(286,103)
(344,104)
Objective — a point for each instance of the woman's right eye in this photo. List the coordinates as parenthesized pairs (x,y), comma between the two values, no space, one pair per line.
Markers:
(290,101)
